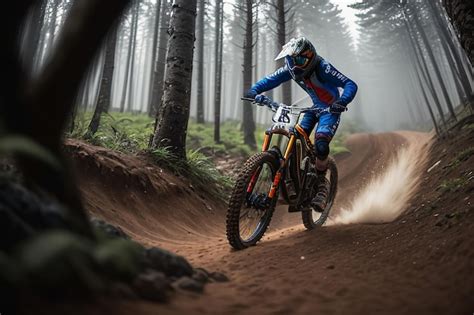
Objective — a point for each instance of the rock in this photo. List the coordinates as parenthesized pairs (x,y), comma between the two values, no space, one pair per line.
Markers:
(119,258)
(450,215)
(22,211)
(330,267)
(167,262)
(189,284)
(218,277)
(153,286)
(201,275)
(122,290)
(109,229)
(58,262)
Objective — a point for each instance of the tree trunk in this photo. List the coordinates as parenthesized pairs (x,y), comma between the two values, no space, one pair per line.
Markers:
(435,65)
(173,115)
(458,84)
(416,69)
(425,98)
(281,31)
(131,81)
(158,78)
(52,26)
(248,125)
(200,74)
(450,47)
(103,103)
(33,34)
(218,68)
(86,90)
(128,64)
(422,62)
(156,31)
(461,13)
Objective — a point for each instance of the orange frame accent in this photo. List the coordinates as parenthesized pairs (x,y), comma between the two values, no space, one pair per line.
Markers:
(265,146)
(278,175)
(302,132)
(266,142)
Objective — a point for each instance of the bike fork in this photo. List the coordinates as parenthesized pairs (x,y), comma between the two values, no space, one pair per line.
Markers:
(265,146)
(276,181)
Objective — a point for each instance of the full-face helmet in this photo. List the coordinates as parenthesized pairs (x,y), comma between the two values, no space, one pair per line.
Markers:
(300,57)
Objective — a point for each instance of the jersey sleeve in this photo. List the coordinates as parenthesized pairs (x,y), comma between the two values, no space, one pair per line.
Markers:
(336,78)
(272,81)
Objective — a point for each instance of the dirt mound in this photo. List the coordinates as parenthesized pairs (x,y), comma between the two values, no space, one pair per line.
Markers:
(150,204)
(420,264)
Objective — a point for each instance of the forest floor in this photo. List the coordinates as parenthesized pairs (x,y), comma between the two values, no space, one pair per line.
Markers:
(421,263)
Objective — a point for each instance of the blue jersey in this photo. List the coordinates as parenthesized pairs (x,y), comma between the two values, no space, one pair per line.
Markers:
(322,85)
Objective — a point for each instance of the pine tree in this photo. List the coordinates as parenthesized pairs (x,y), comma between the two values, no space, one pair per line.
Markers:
(200,52)
(173,115)
(219,31)
(247,119)
(158,78)
(105,91)
(461,13)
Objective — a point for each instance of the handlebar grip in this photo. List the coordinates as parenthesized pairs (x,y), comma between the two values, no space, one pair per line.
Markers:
(247,99)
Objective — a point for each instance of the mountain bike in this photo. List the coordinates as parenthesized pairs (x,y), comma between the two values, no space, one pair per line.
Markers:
(290,170)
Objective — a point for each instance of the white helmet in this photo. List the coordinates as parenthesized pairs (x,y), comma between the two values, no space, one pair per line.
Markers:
(300,57)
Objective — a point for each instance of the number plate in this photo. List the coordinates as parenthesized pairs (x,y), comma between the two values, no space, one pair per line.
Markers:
(283,118)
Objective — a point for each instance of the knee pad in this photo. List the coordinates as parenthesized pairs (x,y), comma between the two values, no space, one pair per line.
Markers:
(322,148)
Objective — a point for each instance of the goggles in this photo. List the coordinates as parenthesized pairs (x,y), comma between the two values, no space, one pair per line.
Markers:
(300,61)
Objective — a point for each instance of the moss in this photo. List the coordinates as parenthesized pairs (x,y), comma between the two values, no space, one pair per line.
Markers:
(198,168)
(453,185)
(130,133)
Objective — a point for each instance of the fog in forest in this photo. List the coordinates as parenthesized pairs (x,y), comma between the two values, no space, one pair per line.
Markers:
(405,59)
(143,171)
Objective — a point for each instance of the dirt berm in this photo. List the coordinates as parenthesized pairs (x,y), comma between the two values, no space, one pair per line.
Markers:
(422,263)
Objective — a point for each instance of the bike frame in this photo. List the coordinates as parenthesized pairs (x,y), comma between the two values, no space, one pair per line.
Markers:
(288,127)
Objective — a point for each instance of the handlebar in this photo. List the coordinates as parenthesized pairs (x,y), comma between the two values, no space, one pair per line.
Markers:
(249,99)
(270,104)
(274,106)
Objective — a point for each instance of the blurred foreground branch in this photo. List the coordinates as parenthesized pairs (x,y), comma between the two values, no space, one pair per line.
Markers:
(37,108)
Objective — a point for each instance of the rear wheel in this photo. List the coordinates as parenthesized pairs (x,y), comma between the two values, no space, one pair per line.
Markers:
(311,218)
(250,210)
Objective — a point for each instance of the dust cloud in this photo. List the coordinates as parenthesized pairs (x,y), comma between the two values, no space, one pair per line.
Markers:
(385,197)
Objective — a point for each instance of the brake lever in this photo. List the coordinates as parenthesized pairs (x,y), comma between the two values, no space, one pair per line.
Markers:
(272,105)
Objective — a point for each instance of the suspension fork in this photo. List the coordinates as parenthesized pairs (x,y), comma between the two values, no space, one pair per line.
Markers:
(265,146)
(276,181)
(266,141)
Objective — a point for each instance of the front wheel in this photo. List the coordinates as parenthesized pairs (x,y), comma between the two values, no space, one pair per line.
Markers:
(311,218)
(250,209)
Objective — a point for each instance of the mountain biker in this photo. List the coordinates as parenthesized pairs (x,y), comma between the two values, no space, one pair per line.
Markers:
(322,82)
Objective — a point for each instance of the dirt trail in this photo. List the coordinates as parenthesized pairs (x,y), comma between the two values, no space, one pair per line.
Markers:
(354,269)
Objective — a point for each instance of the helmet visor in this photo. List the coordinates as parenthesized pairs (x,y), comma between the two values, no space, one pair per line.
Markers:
(292,48)
(300,61)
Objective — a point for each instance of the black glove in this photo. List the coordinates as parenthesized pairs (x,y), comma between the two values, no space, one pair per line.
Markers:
(337,108)
(262,100)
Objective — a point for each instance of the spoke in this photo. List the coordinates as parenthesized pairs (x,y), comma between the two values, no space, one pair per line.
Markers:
(247,230)
(250,218)
(250,224)
(243,214)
